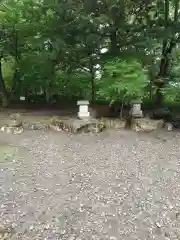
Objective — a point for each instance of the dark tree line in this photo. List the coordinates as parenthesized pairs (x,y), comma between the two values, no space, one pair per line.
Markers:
(90,49)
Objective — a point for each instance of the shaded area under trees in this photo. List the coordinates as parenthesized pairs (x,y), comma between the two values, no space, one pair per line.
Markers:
(98,50)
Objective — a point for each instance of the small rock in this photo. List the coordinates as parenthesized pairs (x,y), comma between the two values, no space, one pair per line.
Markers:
(158,224)
(169,126)
(15,120)
(72,237)
(47,226)
(12,130)
(31,227)
(56,124)
(167,235)
(55,128)
(63,231)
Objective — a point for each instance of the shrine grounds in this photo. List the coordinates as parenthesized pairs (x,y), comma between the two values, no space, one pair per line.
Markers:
(112,185)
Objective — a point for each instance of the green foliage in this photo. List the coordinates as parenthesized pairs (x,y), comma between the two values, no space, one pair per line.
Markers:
(123,79)
(171,91)
(56,45)
(75,85)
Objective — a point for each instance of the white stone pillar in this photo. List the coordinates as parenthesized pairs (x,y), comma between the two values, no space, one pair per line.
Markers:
(136,111)
(83,109)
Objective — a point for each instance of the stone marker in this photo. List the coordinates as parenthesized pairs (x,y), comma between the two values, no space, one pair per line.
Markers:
(22,98)
(83,109)
(136,111)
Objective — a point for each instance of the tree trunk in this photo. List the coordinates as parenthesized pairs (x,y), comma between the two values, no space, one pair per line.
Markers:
(3,91)
(93,90)
(48,96)
(167,48)
(16,84)
(163,72)
(122,104)
(114,49)
(160,81)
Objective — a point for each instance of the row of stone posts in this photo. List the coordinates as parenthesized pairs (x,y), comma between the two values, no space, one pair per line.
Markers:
(84,113)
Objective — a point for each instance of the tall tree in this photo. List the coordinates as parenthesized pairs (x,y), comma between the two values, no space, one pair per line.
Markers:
(169,42)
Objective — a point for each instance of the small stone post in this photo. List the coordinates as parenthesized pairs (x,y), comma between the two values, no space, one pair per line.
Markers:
(22,98)
(136,111)
(83,109)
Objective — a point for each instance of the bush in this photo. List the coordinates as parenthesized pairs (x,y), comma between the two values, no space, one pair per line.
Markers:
(123,80)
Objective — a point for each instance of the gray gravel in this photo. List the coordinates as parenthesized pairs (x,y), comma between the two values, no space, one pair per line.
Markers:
(115,185)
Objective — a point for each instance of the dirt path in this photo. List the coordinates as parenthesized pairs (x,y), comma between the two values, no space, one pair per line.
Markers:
(117,185)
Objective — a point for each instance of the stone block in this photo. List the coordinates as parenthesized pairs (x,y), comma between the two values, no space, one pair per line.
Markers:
(146,124)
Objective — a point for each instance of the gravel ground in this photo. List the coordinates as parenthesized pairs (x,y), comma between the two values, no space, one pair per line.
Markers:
(115,185)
